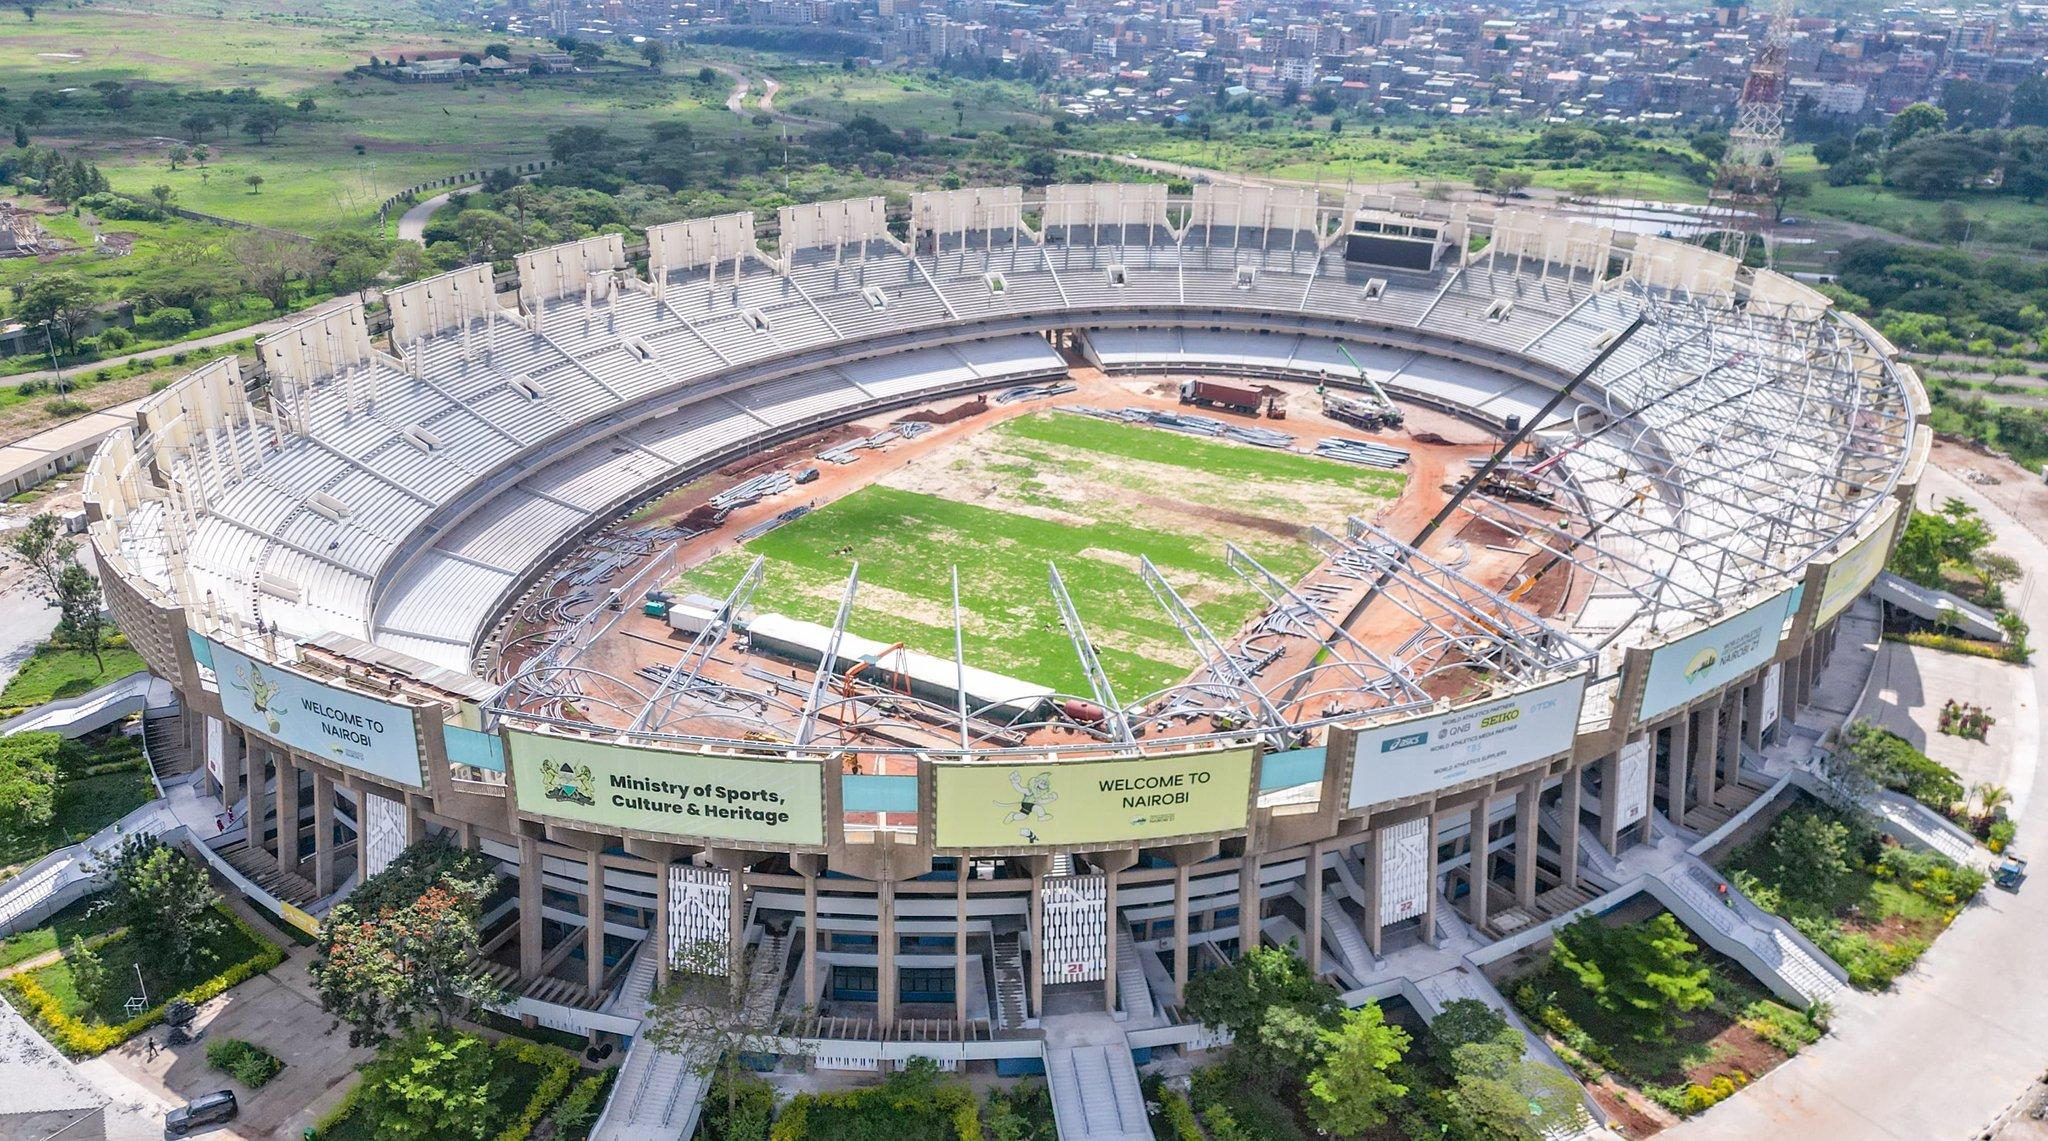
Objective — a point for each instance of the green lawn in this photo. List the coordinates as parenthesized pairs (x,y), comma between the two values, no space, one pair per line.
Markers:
(1086,494)
(84,806)
(52,672)
(123,956)
(1877,918)
(81,920)
(902,99)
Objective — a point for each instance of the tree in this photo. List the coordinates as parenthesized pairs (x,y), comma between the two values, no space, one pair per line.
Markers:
(42,548)
(1349,1090)
(1461,1022)
(1916,119)
(255,182)
(1506,1094)
(2028,106)
(1972,105)
(1813,854)
(20,136)
(653,52)
(60,300)
(402,949)
(28,780)
(29,10)
(500,51)
(88,973)
(352,262)
(197,124)
(431,1086)
(1484,177)
(271,266)
(1238,998)
(180,154)
(161,194)
(1645,974)
(165,899)
(704,1014)
(82,621)
(262,121)
(1513,182)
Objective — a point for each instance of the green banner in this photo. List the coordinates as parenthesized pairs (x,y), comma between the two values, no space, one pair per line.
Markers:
(990,805)
(685,795)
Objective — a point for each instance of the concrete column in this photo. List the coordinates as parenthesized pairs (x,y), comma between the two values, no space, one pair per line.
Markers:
(1526,844)
(1180,933)
(1703,758)
(1314,950)
(1610,802)
(362,840)
(1370,882)
(1678,768)
(1034,922)
(1109,966)
(811,940)
(1753,714)
(1568,844)
(323,835)
(661,922)
(252,791)
(1429,897)
(593,921)
(1250,908)
(530,936)
(1476,870)
(885,956)
(960,941)
(1731,743)
(287,815)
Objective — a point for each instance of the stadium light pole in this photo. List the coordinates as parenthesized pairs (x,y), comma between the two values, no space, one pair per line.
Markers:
(1495,460)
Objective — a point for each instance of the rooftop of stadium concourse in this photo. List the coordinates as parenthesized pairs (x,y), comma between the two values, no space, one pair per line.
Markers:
(400,493)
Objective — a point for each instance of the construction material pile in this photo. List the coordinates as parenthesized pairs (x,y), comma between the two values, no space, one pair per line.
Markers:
(844,453)
(1361,452)
(1033,392)
(752,491)
(1191,424)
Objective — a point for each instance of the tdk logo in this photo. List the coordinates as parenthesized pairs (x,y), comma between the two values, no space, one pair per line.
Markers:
(1404,741)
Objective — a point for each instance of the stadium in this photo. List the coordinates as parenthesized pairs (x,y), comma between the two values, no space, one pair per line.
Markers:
(996,612)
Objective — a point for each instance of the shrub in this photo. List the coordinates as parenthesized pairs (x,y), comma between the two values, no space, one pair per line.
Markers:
(558,1068)
(170,321)
(576,1111)
(1180,1116)
(1999,837)
(66,408)
(247,1062)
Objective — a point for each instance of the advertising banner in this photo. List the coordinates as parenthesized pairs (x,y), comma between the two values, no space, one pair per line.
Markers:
(1708,659)
(1632,799)
(216,750)
(371,736)
(1774,696)
(1850,574)
(1422,754)
(691,795)
(989,805)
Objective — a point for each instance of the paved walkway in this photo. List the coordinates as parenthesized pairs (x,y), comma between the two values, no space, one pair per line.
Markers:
(1966,1032)
(412,227)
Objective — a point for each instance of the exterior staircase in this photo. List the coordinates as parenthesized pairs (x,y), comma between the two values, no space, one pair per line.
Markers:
(1095,1094)
(163,739)
(1340,932)
(261,869)
(1013,1007)
(1133,992)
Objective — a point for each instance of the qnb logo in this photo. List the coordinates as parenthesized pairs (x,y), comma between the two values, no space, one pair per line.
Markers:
(1404,741)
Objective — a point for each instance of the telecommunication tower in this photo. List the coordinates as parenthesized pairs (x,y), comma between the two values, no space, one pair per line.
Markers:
(1746,185)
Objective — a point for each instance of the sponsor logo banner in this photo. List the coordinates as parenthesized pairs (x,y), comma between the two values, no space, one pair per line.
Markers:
(990,805)
(1704,661)
(691,795)
(363,733)
(1422,754)
(1850,574)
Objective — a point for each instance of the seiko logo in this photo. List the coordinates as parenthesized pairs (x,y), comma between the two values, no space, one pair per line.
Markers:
(1501,718)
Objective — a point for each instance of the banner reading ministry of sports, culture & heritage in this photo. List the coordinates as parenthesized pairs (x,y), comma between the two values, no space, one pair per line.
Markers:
(1422,754)
(1708,659)
(693,795)
(362,733)
(993,805)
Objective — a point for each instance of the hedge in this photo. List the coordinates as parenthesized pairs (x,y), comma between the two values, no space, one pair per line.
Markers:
(246,1062)
(1180,1116)
(79,1039)
(558,1068)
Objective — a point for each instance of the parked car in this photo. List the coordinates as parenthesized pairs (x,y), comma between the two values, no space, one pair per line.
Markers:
(207,1109)
(2012,871)
(808,475)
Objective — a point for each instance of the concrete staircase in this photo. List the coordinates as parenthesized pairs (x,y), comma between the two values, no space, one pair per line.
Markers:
(1133,992)
(1340,932)
(1013,1007)
(261,869)
(164,741)
(1095,1094)
(631,997)
(1760,941)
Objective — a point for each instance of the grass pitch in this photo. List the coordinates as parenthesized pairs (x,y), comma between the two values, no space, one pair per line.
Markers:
(1089,495)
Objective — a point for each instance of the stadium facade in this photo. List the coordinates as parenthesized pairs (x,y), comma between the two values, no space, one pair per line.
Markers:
(327,562)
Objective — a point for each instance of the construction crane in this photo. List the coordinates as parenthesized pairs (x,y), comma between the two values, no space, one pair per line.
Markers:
(1746,185)
(1371,416)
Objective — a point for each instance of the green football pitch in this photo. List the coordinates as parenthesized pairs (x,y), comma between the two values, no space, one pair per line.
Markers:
(1088,495)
